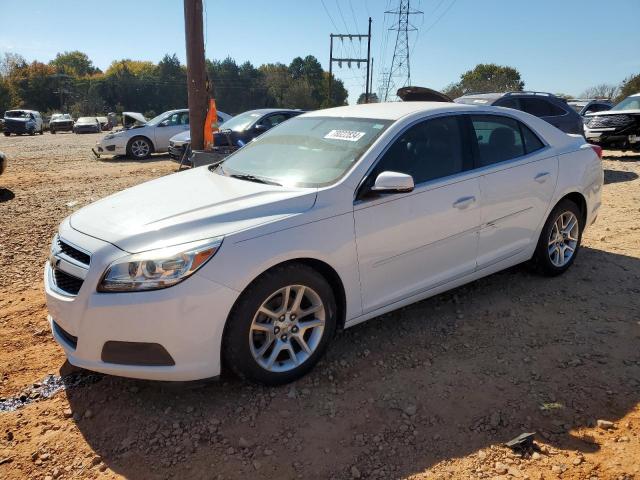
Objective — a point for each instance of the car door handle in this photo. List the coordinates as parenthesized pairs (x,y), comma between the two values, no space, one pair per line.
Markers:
(541,177)
(464,202)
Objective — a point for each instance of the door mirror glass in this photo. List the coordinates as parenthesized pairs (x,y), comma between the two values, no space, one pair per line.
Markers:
(393,182)
(260,127)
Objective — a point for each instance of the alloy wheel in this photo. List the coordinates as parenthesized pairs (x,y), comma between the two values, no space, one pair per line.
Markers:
(287,328)
(563,239)
(140,148)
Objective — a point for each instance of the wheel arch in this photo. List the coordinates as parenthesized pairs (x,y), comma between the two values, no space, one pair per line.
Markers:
(579,199)
(323,268)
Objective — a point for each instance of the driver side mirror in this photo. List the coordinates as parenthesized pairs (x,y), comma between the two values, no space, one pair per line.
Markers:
(393,182)
(260,127)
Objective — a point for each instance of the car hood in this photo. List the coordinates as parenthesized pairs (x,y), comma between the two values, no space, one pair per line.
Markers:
(614,112)
(187,206)
(131,119)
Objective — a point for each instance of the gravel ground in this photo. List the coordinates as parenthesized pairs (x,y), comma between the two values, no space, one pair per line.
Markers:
(430,391)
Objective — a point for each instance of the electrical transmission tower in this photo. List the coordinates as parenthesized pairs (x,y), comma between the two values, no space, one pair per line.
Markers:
(399,74)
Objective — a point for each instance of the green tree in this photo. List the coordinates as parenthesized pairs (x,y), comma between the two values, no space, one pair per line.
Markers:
(74,63)
(487,78)
(629,86)
(373,98)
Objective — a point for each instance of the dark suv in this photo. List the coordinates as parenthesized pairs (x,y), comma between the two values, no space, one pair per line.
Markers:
(618,128)
(544,105)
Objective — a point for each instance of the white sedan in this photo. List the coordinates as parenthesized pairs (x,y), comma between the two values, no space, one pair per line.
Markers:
(142,137)
(325,221)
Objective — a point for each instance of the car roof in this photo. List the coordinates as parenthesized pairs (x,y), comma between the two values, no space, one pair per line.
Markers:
(264,111)
(385,111)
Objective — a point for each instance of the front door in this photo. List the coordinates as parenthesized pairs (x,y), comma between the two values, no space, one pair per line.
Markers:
(411,242)
(170,126)
(518,182)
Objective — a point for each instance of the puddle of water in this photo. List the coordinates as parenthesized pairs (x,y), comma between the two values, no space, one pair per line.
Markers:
(46,388)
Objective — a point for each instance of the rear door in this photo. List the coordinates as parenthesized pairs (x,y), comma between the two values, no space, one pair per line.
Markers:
(411,242)
(519,174)
(566,120)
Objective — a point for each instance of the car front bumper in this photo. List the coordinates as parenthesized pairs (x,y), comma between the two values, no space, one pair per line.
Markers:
(176,150)
(609,138)
(110,147)
(185,322)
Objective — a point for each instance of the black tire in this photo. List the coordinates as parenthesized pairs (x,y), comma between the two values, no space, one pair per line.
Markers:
(7,134)
(53,132)
(32,132)
(541,260)
(236,348)
(131,148)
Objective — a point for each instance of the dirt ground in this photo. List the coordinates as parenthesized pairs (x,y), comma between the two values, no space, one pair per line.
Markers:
(430,391)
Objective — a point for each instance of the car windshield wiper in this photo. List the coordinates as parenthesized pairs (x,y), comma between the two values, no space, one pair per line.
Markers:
(251,178)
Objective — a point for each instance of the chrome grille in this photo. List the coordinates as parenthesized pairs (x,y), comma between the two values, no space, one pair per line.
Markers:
(69,267)
(73,252)
(608,121)
(67,283)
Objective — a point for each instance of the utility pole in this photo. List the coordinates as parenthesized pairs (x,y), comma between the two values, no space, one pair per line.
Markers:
(196,75)
(400,65)
(349,61)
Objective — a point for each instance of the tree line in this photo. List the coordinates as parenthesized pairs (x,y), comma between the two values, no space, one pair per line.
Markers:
(490,78)
(71,83)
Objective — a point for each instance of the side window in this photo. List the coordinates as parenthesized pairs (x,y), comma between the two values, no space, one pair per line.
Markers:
(541,107)
(499,138)
(273,120)
(184,118)
(531,141)
(429,150)
(508,103)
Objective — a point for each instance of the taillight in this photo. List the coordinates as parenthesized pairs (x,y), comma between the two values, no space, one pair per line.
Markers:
(598,150)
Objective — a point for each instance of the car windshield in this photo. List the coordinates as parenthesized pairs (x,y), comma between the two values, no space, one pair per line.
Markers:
(56,116)
(87,120)
(16,114)
(305,151)
(240,122)
(629,103)
(159,118)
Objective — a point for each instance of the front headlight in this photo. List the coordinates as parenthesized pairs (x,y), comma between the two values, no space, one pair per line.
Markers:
(109,136)
(156,269)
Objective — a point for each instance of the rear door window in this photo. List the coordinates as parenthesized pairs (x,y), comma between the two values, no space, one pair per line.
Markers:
(499,138)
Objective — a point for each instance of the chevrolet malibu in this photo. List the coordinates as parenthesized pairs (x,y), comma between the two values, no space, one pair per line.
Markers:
(330,219)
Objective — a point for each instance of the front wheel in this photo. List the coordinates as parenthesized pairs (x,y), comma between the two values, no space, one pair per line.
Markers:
(559,240)
(281,326)
(7,134)
(139,148)
(53,132)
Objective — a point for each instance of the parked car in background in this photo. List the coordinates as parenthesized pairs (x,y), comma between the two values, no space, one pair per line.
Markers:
(105,124)
(240,130)
(330,219)
(60,122)
(3,163)
(22,122)
(87,125)
(540,104)
(590,105)
(178,142)
(618,128)
(141,137)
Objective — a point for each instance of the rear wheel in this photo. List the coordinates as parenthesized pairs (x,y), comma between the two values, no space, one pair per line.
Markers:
(53,131)
(280,326)
(7,134)
(560,239)
(139,148)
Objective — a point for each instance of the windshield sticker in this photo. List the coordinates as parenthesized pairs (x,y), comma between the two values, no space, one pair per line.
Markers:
(347,135)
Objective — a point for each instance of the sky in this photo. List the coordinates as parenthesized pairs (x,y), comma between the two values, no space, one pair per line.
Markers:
(560,46)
